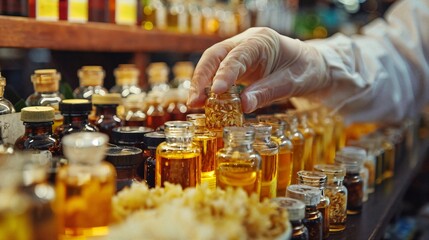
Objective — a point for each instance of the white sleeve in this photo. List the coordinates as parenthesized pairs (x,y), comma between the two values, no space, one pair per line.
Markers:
(383,74)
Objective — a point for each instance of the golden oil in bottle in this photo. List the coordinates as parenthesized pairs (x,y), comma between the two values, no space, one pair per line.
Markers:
(339,132)
(319,135)
(309,135)
(329,141)
(389,158)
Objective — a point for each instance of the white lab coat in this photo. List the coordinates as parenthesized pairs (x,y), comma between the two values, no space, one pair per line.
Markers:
(383,74)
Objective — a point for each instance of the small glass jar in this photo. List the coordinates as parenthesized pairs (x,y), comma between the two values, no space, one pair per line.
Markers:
(238,164)
(223,110)
(309,135)
(91,79)
(296,213)
(158,77)
(134,110)
(175,104)
(6,106)
(207,142)
(351,158)
(125,160)
(178,160)
(311,198)
(337,194)
(106,114)
(318,179)
(156,115)
(269,152)
(152,141)
(127,79)
(85,187)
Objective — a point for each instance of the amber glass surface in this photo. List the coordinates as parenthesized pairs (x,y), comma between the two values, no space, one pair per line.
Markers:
(354,184)
(313,221)
(299,231)
(38,136)
(107,119)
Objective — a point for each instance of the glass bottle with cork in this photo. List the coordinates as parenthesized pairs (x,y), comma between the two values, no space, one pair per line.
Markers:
(175,104)
(178,160)
(337,194)
(134,110)
(311,198)
(87,181)
(6,106)
(46,92)
(106,112)
(91,79)
(127,79)
(238,164)
(152,141)
(296,213)
(157,73)
(207,142)
(182,74)
(318,179)
(268,150)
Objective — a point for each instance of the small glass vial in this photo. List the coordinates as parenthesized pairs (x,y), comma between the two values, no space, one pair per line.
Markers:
(46,92)
(351,158)
(296,213)
(318,179)
(269,151)
(182,74)
(91,79)
(156,115)
(178,160)
(125,160)
(238,164)
(75,112)
(6,106)
(337,194)
(85,187)
(157,73)
(127,79)
(134,107)
(309,135)
(152,141)
(106,115)
(207,142)
(311,198)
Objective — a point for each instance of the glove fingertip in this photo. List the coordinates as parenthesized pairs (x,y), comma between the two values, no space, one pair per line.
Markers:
(219,86)
(249,102)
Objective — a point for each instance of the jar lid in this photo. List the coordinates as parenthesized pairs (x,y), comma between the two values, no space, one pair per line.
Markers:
(261,129)
(45,76)
(75,106)
(85,147)
(198,119)
(351,158)
(37,114)
(129,134)
(124,156)
(312,178)
(309,195)
(294,207)
(332,171)
(153,139)
(183,69)
(108,99)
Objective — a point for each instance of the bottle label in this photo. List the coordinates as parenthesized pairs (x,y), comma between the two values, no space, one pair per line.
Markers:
(47,10)
(78,11)
(126,12)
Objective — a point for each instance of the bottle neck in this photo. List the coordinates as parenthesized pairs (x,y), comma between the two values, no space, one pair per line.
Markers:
(263,138)
(75,119)
(41,128)
(106,110)
(311,210)
(239,145)
(178,140)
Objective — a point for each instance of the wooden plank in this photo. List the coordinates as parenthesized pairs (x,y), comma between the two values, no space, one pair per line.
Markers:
(20,32)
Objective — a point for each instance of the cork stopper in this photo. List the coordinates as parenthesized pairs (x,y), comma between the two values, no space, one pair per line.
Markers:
(294,207)
(307,194)
(183,70)
(333,172)
(75,106)
(108,99)
(46,80)
(126,74)
(157,72)
(312,178)
(91,76)
(37,114)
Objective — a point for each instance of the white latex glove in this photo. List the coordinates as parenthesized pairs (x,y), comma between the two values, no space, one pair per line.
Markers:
(272,67)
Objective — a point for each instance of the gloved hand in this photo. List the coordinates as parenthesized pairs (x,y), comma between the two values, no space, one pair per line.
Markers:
(272,67)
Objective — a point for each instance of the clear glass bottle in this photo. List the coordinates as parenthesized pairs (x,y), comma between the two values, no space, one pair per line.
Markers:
(134,108)
(309,135)
(106,114)
(85,187)
(91,79)
(152,141)
(269,152)
(178,160)
(311,198)
(207,142)
(329,142)
(318,150)
(318,179)
(183,74)
(46,92)
(238,164)
(337,194)
(177,16)
(6,106)
(157,73)
(296,213)
(127,79)
(125,160)
(175,104)
(351,158)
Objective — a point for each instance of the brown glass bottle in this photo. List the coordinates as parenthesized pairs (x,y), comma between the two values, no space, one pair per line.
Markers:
(152,140)
(98,11)
(155,114)
(106,115)
(296,212)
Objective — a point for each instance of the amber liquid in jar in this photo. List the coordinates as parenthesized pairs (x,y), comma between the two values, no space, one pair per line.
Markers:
(354,185)
(285,171)
(177,168)
(338,210)
(297,158)
(208,165)
(269,176)
(323,208)
(313,221)
(244,175)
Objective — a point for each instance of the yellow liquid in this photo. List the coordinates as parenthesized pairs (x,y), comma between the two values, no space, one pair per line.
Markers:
(241,174)
(84,196)
(339,133)
(389,160)
(149,18)
(285,171)
(297,158)
(15,225)
(178,168)
(308,134)
(172,21)
(329,143)
(208,147)
(270,165)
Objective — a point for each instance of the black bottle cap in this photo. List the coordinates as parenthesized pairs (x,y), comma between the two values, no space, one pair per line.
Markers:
(153,139)
(75,106)
(129,135)
(124,156)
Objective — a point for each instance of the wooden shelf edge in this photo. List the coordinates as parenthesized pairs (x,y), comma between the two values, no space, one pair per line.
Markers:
(23,32)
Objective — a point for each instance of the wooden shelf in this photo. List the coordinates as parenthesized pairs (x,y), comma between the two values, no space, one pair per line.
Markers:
(20,32)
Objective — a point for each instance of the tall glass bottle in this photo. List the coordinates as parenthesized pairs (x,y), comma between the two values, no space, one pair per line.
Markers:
(126,77)
(318,148)
(178,160)
(91,79)
(158,77)
(134,110)
(296,213)
(87,182)
(152,141)
(6,106)
(329,142)
(206,140)
(106,115)
(238,164)
(309,135)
